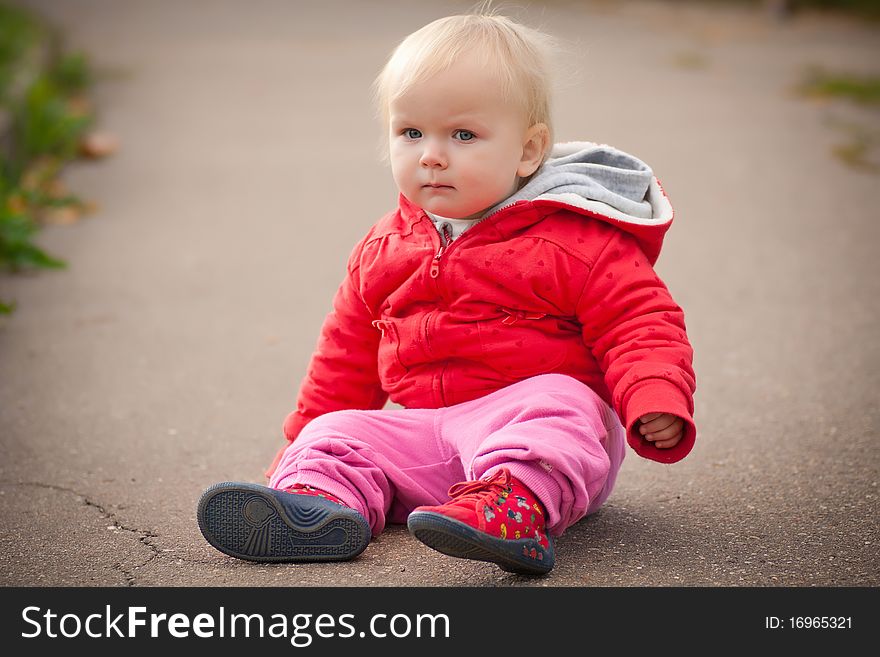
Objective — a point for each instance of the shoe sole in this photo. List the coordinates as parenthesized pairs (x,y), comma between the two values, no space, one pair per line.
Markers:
(255,523)
(524,556)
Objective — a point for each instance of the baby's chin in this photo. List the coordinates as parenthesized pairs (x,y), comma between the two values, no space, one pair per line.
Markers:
(456,212)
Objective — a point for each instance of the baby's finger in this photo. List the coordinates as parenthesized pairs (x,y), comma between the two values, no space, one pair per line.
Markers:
(658,424)
(667,433)
(671,442)
(648,417)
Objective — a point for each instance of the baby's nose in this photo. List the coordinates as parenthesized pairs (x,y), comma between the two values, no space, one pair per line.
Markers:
(433,156)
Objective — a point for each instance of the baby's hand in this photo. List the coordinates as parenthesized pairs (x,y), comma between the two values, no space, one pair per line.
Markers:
(662,429)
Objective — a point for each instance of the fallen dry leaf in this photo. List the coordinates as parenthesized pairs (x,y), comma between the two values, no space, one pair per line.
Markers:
(57,188)
(39,173)
(96,145)
(61,216)
(80,106)
(16,204)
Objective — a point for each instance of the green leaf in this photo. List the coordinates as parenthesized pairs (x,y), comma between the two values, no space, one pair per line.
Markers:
(17,252)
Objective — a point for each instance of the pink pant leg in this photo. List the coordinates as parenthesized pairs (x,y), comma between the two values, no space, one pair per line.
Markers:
(381,463)
(553,433)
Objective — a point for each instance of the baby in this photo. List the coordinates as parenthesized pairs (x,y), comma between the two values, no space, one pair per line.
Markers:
(509,304)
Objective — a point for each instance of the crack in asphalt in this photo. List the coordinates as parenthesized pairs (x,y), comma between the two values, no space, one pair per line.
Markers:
(144,537)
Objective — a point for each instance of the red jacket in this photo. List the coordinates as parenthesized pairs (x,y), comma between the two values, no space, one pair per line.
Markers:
(540,286)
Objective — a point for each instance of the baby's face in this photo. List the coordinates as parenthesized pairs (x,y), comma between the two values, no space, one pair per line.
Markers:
(456,146)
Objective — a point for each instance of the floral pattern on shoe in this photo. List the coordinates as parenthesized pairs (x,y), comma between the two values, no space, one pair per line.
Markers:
(499,505)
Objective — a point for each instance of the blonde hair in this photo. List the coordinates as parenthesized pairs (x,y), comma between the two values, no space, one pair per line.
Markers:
(517,54)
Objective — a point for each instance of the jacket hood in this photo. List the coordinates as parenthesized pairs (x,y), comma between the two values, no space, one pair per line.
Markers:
(602,182)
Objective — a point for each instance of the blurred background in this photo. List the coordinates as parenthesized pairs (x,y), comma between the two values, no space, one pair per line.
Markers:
(217,160)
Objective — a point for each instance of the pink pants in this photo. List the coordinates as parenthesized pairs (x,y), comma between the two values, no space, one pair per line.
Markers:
(553,433)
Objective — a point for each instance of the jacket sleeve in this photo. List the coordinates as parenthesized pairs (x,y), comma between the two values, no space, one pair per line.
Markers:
(343,371)
(637,334)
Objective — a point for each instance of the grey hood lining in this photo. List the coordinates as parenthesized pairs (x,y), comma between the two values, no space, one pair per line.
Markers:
(600,179)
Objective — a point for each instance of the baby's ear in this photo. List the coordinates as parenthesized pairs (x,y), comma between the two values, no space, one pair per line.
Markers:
(535,145)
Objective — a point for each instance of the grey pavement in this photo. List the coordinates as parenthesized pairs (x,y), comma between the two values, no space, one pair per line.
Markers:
(166,356)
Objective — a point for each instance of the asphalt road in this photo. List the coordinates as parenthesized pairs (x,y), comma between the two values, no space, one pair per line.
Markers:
(166,356)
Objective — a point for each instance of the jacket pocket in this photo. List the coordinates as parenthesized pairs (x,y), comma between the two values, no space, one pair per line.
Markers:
(391,369)
(521,344)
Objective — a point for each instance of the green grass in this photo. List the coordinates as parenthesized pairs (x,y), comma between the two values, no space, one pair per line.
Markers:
(863,8)
(20,34)
(41,96)
(17,251)
(860,147)
(856,154)
(861,89)
(45,123)
(866,9)
(690,60)
(72,74)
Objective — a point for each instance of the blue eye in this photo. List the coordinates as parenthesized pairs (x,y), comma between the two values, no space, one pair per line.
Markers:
(412,133)
(465,135)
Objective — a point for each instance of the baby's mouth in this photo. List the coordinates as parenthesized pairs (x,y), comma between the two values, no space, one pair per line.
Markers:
(437,186)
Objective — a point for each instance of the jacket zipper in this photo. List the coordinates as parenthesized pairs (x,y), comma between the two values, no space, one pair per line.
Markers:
(445,240)
(445,243)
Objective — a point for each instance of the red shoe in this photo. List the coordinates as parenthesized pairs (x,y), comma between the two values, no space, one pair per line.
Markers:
(494,519)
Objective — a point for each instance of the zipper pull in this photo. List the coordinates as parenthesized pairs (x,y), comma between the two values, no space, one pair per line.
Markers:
(445,239)
(435,264)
